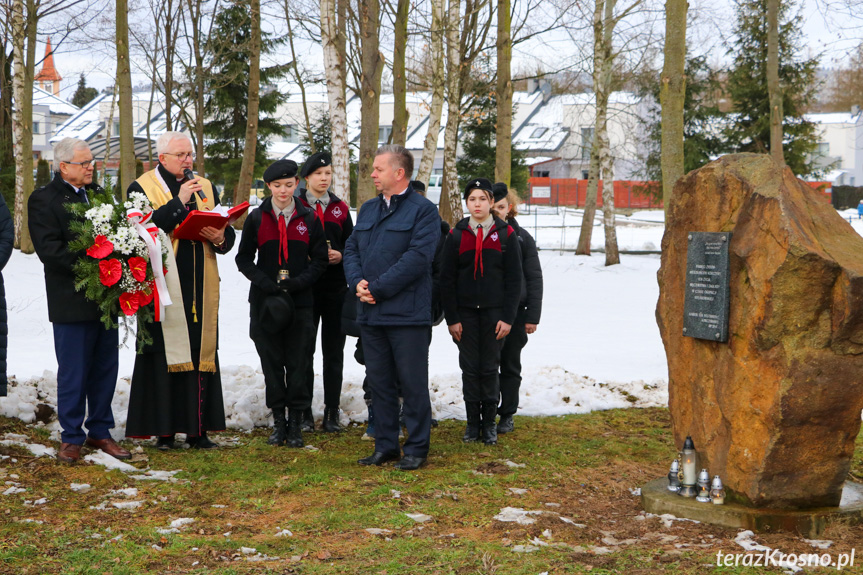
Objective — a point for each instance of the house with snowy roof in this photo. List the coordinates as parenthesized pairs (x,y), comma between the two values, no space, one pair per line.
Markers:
(840,146)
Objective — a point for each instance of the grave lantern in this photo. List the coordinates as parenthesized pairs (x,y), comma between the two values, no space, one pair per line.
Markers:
(673,477)
(687,459)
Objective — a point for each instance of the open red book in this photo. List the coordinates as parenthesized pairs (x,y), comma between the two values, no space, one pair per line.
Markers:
(197,220)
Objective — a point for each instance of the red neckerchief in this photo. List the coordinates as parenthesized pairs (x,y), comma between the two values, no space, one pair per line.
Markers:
(319,211)
(477,257)
(283,240)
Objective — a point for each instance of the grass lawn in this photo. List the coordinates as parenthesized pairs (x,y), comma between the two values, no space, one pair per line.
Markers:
(242,495)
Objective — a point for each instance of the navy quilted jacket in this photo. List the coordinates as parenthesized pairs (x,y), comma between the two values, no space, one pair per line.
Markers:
(7,233)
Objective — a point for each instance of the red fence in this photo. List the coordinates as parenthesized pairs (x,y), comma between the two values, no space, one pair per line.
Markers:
(627,193)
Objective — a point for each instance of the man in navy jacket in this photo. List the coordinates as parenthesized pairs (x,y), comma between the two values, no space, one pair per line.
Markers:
(388,264)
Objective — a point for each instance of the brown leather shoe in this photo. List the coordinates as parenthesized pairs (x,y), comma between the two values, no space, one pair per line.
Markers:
(110,447)
(69,452)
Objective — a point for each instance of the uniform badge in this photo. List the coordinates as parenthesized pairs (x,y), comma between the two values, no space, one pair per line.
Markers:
(337,211)
(477,183)
(302,228)
(494,237)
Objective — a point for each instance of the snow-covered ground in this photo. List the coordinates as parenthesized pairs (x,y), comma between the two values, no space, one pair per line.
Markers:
(597,346)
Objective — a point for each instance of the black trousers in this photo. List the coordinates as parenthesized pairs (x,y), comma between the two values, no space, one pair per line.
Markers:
(510,366)
(284,360)
(328,313)
(479,354)
(399,355)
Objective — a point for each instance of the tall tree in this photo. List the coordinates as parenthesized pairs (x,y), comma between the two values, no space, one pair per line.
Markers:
(333,40)
(504,93)
(450,203)
(124,87)
(301,84)
(370,82)
(438,80)
(247,169)
(749,130)
(7,159)
(227,105)
(672,95)
(22,81)
(400,110)
(83,94)
(774,89)
(846,88)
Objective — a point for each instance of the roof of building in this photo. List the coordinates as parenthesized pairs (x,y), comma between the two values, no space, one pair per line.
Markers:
(55,105)
(48,73)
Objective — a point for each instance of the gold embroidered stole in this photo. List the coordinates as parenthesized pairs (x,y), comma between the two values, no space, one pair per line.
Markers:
(176,332)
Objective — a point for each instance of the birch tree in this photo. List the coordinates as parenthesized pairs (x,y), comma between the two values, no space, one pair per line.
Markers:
(438,82)
(672,92)
(450,204)
(370,87)
(247,169)
(400,111)
(124,85)
(22,124)
(774,88)
(307,124)
(333,40)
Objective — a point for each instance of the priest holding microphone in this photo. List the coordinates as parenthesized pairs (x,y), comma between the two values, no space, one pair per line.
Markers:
(176,384)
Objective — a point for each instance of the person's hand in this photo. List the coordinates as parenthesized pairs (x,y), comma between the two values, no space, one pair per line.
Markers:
(364,294)
(335,256)
(455,331)
(502,329)
(189,188)
(271,288)
(213,235)
(529,328)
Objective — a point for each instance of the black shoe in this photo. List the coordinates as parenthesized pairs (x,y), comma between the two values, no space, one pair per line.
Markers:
(201,442)
(295,428)
(410,462)
(331,423)
(308,421)
(471,430)
(489,427)
(379,458)
(280,427)
(165,443)
(505,425)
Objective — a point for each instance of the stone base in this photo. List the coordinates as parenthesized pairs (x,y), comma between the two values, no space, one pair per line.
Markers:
(657,499)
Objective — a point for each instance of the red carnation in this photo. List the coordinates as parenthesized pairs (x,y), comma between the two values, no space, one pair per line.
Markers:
(110,272)
(138,267)
(129,302)
(145,297)
(101,248)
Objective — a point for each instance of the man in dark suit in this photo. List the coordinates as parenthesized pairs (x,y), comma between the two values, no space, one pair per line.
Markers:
(87,353)
(388,264)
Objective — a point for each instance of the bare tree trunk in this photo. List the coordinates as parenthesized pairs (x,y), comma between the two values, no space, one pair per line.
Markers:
(6,155)
(400,111)
(586,234)
(370,86)
(333,42)
(299,79)
(21,124)
(109,131)
(124,85)
(672,93)
(603,93)
(503,133)
(171,29)
(773,87)
(196,17)
(450,205)
(247,169)
(437,85)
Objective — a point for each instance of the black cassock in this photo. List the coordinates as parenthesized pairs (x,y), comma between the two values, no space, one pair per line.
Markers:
(190,402)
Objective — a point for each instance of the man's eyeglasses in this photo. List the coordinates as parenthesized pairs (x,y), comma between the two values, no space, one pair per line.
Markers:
(182,156)
(84,165)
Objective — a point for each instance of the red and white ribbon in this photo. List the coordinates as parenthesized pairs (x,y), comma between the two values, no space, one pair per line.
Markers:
(149,232)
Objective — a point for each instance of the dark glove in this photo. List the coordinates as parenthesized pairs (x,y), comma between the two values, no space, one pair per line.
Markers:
(288,285)
(270,288)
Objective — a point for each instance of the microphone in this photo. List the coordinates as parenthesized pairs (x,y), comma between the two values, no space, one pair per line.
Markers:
(190,175)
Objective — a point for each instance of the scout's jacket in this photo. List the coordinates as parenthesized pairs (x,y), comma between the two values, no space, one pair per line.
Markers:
(492,280)
(338,226)
(531,290)
(392,248)
(307,253)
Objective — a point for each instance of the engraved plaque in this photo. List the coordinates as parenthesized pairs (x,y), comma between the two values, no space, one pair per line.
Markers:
(705,309)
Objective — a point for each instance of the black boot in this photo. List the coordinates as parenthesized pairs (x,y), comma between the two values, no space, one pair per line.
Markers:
(505,425)
(489,426)
(331,423)
(165,442)
(295,428)
(471,431)
(280,427)
(308,420)
(201,442)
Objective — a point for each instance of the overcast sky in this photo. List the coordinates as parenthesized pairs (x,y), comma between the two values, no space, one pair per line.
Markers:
(713,21)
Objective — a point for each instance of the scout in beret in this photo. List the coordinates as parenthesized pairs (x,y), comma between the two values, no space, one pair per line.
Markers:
(478,184)
(291,251)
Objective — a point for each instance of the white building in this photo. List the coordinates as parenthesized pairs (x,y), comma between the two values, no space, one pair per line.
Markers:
(840,146)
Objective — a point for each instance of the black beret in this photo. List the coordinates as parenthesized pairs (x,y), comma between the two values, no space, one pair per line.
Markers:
(276,312)
(499,190)
(280,169)
(418,186)
(477,184)
(315,161)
